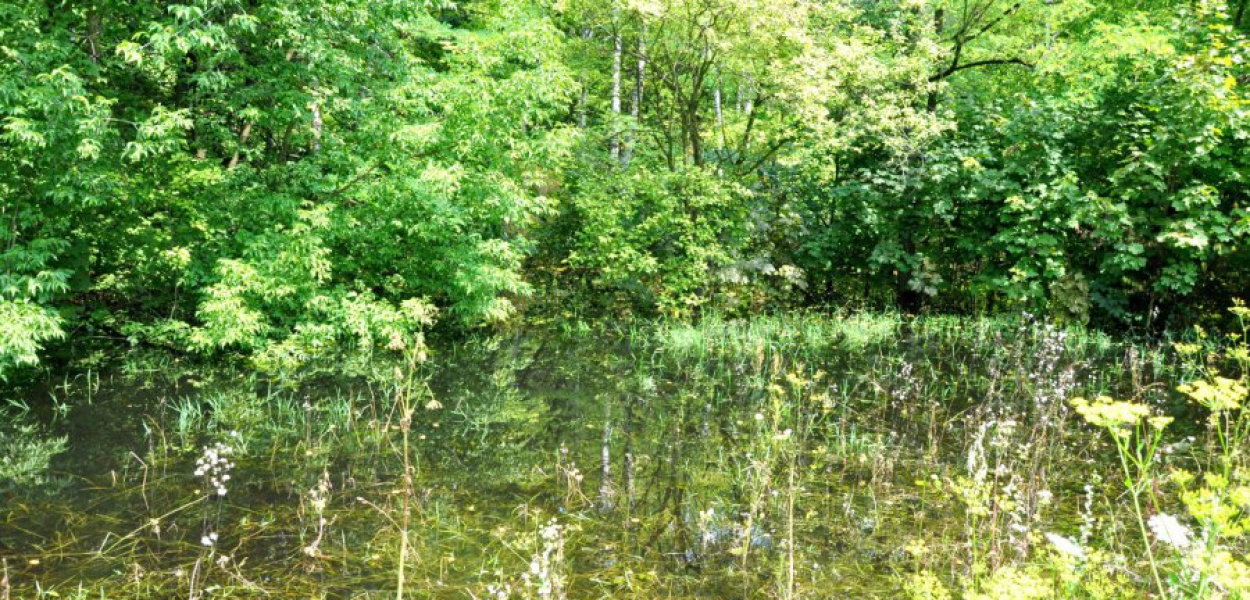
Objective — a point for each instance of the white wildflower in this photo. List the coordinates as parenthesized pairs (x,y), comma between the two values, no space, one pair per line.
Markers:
(1066,546)
(1170,531)
(215,466)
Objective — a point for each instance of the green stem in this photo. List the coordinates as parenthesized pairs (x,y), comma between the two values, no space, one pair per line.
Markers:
(1134,488)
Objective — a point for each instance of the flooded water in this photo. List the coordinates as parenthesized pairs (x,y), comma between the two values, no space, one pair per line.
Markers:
(783,459)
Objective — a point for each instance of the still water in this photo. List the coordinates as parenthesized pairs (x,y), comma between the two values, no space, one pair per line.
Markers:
(777,460)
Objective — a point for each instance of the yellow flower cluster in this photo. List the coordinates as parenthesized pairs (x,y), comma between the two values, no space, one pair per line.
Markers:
(1218,394)
(1111,414)
(1014,583)
(1228,573)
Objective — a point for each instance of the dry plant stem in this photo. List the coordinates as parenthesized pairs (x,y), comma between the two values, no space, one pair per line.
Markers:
(194,592)
(404,401)
(405,499)
(105,547)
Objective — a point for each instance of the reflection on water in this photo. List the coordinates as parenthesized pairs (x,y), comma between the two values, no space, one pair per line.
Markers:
(729,461)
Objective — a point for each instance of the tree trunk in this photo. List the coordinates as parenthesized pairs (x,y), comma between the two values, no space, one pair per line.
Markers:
(939,16)
(635,108)
(748,103)
(94,29)
(680,116)
(247,132)
(615,140)
(720,117)
(692,115)
(316,125)
(696,142)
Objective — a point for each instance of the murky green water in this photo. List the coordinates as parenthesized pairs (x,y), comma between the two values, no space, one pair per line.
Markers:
(802,459)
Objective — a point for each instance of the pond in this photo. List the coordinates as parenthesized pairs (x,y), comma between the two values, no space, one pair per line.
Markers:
(792,457)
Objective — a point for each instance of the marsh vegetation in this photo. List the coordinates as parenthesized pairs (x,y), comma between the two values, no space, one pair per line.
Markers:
(813,456)
(565,299)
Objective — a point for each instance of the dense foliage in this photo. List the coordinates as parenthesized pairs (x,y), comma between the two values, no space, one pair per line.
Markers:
(278,178)
(275,175)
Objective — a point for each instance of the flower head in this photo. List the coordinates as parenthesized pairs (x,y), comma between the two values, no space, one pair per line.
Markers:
(215,466)
(1219,394)
(1170,531)
(1110,414)
(1066,546)
(1160,422)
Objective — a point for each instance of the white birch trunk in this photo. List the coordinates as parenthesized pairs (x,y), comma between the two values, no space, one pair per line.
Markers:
(615,140)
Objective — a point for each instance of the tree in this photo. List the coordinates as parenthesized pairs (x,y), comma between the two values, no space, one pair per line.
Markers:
(219,174)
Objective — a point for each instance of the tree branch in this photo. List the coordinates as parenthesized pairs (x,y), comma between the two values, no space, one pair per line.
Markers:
(991,24)
(979,63)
